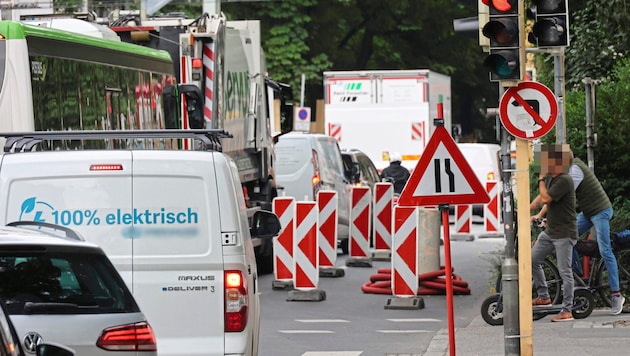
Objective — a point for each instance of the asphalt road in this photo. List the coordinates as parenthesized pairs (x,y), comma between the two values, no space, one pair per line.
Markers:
(349,322)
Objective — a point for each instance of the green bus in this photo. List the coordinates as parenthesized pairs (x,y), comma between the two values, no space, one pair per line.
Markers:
(52,79)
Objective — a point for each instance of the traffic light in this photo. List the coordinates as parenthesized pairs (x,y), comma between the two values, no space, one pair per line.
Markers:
(503,30)
(551,26)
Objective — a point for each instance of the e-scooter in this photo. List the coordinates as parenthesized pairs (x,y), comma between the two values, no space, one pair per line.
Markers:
(583,304)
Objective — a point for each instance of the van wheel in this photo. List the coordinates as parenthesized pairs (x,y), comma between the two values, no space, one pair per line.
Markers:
(343,245)
(265,264)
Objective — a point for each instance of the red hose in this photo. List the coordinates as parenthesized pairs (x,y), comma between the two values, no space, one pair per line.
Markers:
(433,283)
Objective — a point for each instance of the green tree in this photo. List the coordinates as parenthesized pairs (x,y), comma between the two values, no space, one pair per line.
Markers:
(313,36)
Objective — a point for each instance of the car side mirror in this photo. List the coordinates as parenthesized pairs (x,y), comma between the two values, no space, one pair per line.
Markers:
(265,224)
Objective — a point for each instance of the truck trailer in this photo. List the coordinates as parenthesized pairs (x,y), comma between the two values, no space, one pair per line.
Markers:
(382,112)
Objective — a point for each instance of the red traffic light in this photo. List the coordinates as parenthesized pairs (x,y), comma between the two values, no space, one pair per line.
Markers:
(502,5)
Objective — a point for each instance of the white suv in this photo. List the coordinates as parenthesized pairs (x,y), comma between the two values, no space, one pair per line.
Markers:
(59,289)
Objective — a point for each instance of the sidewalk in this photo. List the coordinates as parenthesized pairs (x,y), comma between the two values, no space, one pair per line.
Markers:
(599,334)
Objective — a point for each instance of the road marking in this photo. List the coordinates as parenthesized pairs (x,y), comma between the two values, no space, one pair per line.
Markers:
(404,331)
(306,331)
(420,320)
(332,353)
(322,321)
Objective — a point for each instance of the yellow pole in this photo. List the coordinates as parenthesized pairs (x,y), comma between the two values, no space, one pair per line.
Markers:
(524,247)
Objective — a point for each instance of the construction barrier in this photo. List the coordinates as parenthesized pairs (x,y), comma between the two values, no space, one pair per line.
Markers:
(492,209)
(306,246)
(463,219)
(360,222)
(405,252)
(383,206)
(284,208)
(327,203)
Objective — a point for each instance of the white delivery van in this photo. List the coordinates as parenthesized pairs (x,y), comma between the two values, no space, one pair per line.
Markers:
(307,163)
(483,158)
(173,222)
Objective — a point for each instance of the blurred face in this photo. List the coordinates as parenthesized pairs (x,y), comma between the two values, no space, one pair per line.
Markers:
(555,159)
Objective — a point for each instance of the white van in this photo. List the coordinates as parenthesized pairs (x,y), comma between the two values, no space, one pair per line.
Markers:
(483,158)
(307,163)
(173,222)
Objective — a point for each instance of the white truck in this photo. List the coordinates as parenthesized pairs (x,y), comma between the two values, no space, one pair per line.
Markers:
(221,71)
(385,111)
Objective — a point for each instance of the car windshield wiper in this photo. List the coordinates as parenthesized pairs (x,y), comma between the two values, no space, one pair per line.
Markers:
(51,307)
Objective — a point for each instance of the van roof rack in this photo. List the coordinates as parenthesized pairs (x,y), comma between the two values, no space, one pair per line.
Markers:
(25,141)
(69,233)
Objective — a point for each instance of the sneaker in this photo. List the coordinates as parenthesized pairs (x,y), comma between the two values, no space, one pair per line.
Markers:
(541,302)
(617,305)
(563,316)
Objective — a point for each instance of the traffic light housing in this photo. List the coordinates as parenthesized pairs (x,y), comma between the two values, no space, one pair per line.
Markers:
(551,26)
(503,30)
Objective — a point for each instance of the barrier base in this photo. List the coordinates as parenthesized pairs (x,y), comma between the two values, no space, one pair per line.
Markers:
(359,262)
(491,235)
(382,255)
(276,284)
(314,295)
(331,272)
(409,303)
(462,237)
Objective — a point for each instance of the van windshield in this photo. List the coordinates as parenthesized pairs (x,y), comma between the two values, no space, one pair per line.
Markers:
(292,154)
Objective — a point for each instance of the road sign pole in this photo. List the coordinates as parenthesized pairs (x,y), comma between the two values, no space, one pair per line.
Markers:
(524,248)
(509,268)
(448,272)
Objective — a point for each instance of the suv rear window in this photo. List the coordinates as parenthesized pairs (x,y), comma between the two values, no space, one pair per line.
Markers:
(61,283)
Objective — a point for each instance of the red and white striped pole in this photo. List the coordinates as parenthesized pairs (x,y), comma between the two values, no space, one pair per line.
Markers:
(383,205)
(491,210)
(284,208)
(327,202)
(463,216)
(359,228)
(405,252)
(306,246)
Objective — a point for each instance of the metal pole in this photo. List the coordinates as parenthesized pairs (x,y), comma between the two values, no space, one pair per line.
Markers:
(589,85)
(302,90)
(558,67)
(509,268)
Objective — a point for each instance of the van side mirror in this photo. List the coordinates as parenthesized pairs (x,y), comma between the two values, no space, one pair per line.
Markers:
(354,173)
(265,224)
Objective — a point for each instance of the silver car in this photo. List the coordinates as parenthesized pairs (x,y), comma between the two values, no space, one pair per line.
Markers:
(59,289)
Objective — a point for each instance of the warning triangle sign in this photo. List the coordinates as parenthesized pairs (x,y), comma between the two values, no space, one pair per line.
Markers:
(442,176)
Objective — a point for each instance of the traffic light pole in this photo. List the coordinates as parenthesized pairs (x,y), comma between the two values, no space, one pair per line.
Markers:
(558,67)
(509,268)
(558,87)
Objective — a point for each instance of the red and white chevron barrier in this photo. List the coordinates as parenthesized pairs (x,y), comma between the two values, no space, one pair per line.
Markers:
(405,252)
(492,209)
(306,246)
(360,222)
(383,205)
(327,203)
(284,208)
(463,219)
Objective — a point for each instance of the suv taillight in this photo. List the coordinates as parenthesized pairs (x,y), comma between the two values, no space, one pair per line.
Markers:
(132,337)
(236,302)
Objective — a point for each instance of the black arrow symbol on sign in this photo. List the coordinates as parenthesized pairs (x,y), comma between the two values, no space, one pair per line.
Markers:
(531,106)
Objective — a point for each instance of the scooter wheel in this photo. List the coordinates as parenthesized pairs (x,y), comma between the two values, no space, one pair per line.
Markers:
(583,303)
(492,310)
